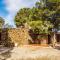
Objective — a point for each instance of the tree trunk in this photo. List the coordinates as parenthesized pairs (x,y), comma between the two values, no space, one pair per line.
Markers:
(54,39)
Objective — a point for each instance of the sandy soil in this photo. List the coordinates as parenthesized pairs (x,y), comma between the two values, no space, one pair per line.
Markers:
(34,53)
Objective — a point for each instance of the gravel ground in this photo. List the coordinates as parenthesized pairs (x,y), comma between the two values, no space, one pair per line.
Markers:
(34,53)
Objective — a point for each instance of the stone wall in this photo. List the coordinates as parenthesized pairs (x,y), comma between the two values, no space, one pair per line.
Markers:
(19,36)
(4,36)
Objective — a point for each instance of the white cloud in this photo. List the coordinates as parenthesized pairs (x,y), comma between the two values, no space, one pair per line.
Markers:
(14,5)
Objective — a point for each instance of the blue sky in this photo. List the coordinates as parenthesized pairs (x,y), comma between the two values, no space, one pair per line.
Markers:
(9,8)
(3,10)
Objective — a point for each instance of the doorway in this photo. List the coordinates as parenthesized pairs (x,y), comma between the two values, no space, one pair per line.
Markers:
(49,39)
(58,37)
(0,36)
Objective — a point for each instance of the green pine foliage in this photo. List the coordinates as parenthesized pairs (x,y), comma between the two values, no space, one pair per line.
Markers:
(42,18)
